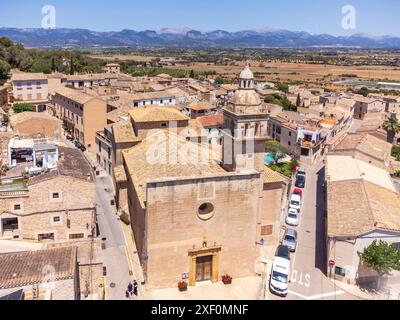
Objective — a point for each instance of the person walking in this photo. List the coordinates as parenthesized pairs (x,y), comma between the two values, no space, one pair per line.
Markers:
(135,288)
(130,290)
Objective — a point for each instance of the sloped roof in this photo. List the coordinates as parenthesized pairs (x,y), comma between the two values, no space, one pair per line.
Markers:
(156,114)
(358,206)
(26,268)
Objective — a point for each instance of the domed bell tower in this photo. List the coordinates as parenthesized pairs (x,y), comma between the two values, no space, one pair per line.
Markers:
(246,123)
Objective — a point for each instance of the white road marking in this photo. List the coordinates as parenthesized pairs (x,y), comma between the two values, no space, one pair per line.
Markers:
(318,296)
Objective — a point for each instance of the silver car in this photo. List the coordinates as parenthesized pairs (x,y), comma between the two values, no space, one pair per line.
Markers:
(290,239)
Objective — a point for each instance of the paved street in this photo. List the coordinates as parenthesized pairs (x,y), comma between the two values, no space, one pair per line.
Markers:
(309,262)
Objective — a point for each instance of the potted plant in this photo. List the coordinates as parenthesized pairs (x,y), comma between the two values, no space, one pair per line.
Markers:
(227,279)
(182,286)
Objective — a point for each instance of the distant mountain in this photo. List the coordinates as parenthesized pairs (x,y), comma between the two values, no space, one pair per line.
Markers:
(186,38)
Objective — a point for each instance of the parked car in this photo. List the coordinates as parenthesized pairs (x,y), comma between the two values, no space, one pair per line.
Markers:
(80,146)
(279,280)
(295,202)
(283,252)
(301,172)
(290,239)
(298,191)
(293,218)
(300,182)
(70,137)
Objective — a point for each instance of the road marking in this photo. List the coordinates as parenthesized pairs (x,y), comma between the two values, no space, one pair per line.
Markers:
(318,296)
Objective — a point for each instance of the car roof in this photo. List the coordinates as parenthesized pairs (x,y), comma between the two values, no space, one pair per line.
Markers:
(282,249)
(291,232)
(292,210)
(295,197)
(281,265)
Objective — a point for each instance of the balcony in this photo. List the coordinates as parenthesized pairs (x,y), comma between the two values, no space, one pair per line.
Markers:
(103,138)
(13,188)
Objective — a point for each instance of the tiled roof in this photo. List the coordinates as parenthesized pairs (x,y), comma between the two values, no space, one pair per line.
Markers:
(270,176)
(27,268)
(365,143)
(123,132)
(214,120)
(24,76)
(72,165)
(152,95)
(175,158)
(28,116)
(155,114)
(75,95)
(358,206)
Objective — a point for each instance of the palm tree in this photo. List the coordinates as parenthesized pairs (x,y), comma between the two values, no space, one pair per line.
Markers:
(392,127)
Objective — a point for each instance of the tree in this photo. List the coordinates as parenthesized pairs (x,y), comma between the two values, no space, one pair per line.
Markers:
(4,69)
(72,68)
(298,101)
(276,151)
(192,75)
(22,107)
(283,87)
(219,80)
(381,257)
(363,91)
(53,64)
(392,127)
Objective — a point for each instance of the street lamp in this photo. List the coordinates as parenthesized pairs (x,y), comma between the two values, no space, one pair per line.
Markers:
(261,243)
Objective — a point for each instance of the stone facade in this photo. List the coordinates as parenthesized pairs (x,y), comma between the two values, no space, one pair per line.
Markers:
(171,231)
(69,216)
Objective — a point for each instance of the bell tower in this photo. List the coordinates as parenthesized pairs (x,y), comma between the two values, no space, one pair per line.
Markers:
(246,123)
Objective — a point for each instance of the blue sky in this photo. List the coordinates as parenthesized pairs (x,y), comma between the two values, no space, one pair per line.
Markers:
(378,17)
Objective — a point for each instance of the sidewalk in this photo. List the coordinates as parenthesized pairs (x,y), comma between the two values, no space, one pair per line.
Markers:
(392,293)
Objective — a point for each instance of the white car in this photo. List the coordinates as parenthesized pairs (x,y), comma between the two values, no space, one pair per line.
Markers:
(280,273)
(293,218)
(295,202)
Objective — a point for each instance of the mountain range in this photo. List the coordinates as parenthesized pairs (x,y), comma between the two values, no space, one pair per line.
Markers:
(188,38)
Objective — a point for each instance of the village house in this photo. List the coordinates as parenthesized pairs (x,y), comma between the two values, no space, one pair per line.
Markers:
(52,205)
(112,68)
(82,81)
(213,124)
(160,98)
(31,88)
(362,206)
(82,114)
(199,109)
(185,198)
(367,108)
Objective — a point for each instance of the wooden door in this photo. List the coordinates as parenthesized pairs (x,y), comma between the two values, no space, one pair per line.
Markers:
(204,268)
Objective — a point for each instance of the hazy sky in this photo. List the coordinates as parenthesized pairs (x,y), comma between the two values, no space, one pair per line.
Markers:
(315,16)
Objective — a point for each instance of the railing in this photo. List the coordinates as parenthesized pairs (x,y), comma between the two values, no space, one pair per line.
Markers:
(102,137)
(14,194)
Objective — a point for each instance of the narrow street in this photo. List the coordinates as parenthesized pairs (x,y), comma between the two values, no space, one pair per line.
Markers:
(308,280)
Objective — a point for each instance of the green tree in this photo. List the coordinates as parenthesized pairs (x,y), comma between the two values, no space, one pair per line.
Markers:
(22,107)
(392,127)
(219,80)
(381,257)
(283,87)
(4,69)
(298,101)
(6,118)
(192,74)
(276,151)
(363,91)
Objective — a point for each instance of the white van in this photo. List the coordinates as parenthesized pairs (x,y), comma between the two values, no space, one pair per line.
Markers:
(280,277)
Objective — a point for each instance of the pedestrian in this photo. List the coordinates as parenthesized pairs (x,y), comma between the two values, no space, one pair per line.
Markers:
(130,289)
(135,288)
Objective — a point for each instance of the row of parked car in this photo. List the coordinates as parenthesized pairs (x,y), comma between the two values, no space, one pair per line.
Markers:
(77,144)
(280,274)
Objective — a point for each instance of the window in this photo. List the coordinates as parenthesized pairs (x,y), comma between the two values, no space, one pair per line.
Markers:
(340,272)
(267,230)
(290,134)
(17,207)
(206,211)
(76,236)
(56,195)
(164,125)
(57,219)
(46,236)
(289,143)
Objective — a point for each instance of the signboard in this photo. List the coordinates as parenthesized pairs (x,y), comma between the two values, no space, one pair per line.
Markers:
(185,276)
